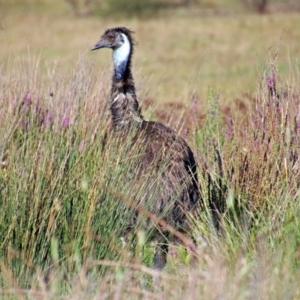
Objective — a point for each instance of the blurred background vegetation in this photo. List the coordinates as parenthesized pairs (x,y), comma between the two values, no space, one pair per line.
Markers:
(152,7)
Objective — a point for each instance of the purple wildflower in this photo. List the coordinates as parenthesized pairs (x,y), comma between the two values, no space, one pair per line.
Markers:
(228,132)
(27,99)
(271,83)
(37,106)
(256,144)
(46,119)
(65,122)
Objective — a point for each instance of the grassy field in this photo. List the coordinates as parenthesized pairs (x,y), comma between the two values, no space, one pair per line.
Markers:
(64,199)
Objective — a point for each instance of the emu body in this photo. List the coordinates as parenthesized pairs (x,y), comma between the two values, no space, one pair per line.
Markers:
(165,160)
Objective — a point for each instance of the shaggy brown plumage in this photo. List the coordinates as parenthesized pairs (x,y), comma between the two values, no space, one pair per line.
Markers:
(165,160)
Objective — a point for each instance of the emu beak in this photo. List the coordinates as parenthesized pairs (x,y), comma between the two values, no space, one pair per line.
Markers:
(101,44)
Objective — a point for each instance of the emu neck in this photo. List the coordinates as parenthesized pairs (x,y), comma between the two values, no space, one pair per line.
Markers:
(122,57)
(124,107)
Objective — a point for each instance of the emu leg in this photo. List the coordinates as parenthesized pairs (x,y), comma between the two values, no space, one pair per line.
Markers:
(160,256)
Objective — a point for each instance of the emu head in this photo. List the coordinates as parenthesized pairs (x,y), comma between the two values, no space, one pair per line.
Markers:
(115,38)
(120,40)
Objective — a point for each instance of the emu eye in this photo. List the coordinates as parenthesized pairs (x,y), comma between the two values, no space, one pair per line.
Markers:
(111,38)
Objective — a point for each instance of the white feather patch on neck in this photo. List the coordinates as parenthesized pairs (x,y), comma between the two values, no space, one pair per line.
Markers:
(121,55)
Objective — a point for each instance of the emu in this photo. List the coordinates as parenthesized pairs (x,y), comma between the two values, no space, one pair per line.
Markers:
(162,151)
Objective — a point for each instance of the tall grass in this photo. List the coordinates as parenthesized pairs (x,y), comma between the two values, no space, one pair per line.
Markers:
(65,200)
(54,176)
